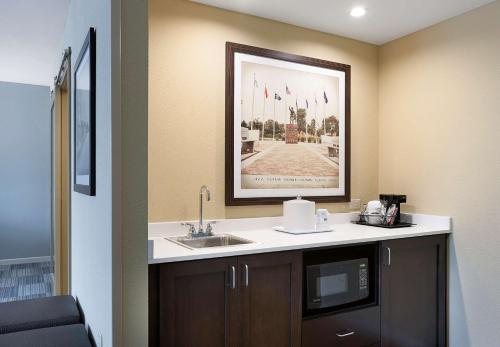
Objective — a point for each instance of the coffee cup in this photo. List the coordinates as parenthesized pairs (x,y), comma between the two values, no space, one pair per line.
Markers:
(322,215)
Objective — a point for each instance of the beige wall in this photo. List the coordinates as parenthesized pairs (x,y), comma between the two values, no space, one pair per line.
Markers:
(439,143)
(186,103)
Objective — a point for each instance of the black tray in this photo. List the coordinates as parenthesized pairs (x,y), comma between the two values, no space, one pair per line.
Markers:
(394,226)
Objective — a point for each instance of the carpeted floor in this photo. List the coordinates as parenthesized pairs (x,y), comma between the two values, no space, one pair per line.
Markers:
(26,281)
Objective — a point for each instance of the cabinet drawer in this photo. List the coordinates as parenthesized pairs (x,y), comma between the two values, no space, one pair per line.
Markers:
(357,328)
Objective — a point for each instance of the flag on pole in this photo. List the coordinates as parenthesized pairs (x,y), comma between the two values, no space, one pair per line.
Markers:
(277,97)
(287,90)
(255,84)
(307,104)
(266,94)
(296,104)
(315,100)
(326,99)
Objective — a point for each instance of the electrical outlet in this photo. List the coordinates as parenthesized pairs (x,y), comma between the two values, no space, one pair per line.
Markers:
(355,204)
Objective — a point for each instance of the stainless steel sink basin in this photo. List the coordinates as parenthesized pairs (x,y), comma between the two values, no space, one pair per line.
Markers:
(221,240)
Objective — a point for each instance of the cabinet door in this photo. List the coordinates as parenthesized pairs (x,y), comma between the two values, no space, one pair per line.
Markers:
(270,299)
(197,301)
(413,292)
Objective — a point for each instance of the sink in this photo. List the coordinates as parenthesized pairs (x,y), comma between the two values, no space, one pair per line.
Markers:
(221,240)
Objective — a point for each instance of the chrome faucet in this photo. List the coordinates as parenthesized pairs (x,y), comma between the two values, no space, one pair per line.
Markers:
(201,231)
(209,197)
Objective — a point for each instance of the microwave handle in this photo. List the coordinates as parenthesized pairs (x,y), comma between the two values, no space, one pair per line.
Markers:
(388,256)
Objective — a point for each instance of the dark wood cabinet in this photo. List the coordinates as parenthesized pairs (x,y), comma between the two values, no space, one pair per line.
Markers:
(256,300)
(270,299)
(197,303)
(413,292)
(357,328)
(237,301)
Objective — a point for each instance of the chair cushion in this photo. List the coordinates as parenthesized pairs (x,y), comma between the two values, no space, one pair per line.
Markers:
(38,313)
(60,336)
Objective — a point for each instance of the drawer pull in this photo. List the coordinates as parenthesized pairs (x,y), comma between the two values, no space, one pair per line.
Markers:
(345,333)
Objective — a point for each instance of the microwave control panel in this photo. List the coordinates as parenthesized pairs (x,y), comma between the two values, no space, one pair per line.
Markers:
(363,277)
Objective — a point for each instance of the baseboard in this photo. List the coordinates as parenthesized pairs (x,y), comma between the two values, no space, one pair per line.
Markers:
(25,260)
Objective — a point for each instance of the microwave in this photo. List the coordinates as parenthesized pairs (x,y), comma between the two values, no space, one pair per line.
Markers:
(340,278)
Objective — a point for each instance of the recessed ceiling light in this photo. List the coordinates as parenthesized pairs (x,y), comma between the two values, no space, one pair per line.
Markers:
(358,11)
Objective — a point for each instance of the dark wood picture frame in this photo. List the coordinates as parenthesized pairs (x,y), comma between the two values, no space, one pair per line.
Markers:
(231,49)
(88,48)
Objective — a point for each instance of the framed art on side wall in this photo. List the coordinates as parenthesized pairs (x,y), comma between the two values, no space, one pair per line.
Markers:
(287,127)
(84,171)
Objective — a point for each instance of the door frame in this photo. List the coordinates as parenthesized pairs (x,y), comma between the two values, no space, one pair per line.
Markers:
(62,267)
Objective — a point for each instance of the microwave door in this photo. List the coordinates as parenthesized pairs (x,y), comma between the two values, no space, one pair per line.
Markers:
(332,284)
(339,284)
(314,287)
(337,279)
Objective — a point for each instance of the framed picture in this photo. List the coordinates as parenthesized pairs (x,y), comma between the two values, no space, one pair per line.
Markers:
(84,117)
(287,127)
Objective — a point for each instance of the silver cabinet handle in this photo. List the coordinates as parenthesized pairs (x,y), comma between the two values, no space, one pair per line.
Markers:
(388,256)
(233,277)
(246,275)
(349,333)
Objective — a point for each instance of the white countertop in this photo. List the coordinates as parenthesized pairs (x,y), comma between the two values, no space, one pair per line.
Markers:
(266,239)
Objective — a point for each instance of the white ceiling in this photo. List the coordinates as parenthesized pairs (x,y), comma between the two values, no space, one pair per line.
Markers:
(30,36)
(384,21)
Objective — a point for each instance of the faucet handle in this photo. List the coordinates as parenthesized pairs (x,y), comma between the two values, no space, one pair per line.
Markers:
(209,226)
(192,228)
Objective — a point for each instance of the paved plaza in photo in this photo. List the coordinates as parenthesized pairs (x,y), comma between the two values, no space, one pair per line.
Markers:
(280,165)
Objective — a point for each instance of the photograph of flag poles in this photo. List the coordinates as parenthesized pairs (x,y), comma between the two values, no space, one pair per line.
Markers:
(278,143)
